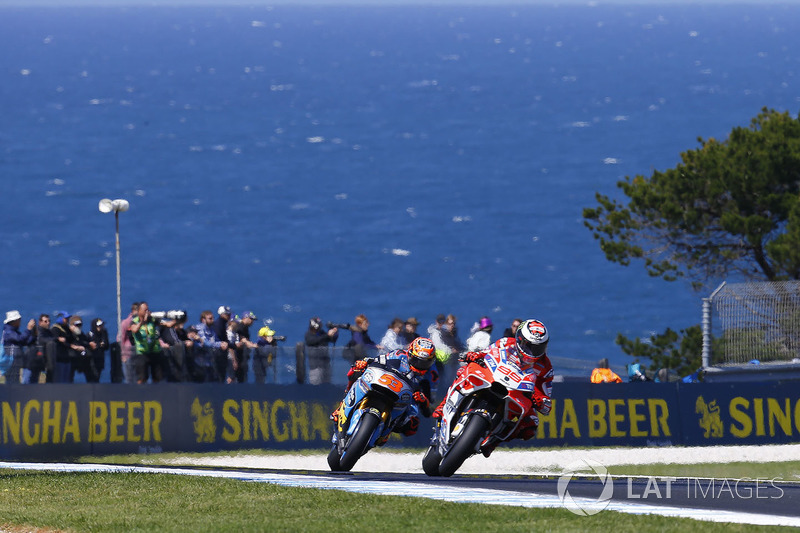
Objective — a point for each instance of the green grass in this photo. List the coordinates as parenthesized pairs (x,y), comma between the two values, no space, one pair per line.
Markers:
(131,502)
(785,471)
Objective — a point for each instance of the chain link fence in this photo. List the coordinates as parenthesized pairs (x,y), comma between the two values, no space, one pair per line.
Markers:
(743,322)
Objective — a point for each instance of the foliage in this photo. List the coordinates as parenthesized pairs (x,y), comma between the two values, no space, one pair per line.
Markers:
(728,207)
(668,350)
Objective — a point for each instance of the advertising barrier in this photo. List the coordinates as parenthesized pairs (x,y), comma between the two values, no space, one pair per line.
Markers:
(48,422)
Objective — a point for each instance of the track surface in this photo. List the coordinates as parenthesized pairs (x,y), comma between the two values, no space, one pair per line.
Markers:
(761,498)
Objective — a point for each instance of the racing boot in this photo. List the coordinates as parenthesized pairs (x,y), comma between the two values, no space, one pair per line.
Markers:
(488,445)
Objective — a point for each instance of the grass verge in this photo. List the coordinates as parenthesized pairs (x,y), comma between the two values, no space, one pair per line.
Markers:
(138,502)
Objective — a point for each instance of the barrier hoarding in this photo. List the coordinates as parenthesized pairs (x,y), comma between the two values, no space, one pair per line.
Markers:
(56,421)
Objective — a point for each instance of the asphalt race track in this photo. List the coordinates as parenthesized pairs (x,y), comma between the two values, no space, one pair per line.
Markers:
(758,502)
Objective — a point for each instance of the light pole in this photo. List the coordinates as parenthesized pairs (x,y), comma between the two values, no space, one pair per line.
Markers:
(117,206)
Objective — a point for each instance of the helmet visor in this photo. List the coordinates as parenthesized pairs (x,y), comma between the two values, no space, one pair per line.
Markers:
(421,364)
(531,349)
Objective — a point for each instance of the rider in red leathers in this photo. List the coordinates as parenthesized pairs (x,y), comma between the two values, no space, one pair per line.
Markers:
(528,349)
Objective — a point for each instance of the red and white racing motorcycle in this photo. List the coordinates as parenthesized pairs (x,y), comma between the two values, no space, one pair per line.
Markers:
(484,405)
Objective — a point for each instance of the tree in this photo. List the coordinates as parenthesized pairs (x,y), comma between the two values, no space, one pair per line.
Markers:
(730,207)
(668,350)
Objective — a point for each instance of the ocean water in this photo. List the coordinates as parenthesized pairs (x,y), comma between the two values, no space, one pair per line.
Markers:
(392,161)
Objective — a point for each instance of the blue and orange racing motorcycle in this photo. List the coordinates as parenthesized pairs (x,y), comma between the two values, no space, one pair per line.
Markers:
(378,402)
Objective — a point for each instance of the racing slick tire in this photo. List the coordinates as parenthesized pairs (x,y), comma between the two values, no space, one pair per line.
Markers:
(431,460)
(359,442)
(465,445)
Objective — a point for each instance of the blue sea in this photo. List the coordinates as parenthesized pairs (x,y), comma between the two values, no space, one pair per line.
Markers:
(392,161)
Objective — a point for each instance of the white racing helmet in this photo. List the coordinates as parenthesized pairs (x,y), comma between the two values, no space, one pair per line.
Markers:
(532,338)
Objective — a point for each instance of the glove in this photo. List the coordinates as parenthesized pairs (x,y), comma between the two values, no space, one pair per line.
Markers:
(360,365)
(473,357)
(543,405)
(420,398)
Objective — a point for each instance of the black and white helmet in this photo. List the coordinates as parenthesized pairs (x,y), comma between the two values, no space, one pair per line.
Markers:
(532,338)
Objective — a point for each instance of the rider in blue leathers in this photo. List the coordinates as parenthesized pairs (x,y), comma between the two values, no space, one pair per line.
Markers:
(415,362)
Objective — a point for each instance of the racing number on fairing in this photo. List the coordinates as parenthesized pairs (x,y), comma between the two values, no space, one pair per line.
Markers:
(508,371)
(390,382)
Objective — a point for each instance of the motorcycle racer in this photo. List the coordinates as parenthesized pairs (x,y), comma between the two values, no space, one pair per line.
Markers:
(528,349)
(415,362)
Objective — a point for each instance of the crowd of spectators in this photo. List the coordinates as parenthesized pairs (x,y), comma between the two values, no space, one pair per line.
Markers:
(156,347)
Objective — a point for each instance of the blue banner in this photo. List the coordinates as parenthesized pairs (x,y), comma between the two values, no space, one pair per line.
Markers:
(45,422)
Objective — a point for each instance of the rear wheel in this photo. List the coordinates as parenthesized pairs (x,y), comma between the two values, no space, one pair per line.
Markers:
(430,462)
(358,443)
(476,429)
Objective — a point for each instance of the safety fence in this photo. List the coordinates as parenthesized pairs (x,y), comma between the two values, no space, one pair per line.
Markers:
(57,421)
(287,365)
(752,322)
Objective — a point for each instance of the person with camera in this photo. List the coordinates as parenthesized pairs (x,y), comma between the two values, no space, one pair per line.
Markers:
(148,358)
(38,360)
(317,340)
(176,346)
(208,350)
(265,353)
(67,348)
(244,347)
(82,360)
(360,342)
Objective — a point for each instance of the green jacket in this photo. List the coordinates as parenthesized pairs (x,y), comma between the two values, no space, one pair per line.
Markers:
(146,339)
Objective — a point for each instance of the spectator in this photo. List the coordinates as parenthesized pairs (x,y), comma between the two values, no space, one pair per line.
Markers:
(220,327)
(245,347)
(234,344)
(603,374)
(177,348)
(392,340)
(481,336)
(148,359)
(208,350)
(317,351)
(409,332)
(65,349)
(512,330)
(98,335)
(38,360)
(125,340)
(360,342)
(82,360)
(264,353)
(444,335)
(15,343)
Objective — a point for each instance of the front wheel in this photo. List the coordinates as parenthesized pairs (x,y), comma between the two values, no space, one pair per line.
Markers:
(333,459)
(476,429)
(430,462)
(359,442)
